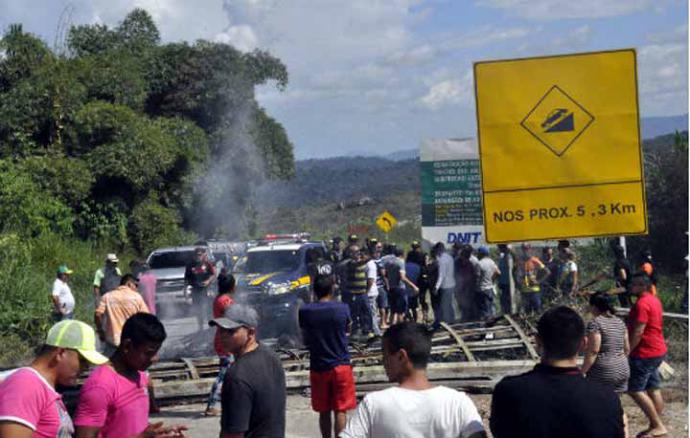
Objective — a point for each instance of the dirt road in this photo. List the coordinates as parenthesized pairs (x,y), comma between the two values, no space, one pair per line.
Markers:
(303,423)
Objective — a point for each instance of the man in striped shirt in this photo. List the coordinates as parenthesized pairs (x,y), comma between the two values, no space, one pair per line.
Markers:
(357,287)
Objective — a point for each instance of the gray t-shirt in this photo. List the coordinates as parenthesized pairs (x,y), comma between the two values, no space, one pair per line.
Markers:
(394,267)
(487,269)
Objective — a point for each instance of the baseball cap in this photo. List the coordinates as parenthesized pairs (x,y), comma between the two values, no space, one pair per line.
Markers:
(63,269)
(237,315)
(76,335)
(483,250)
(415,244)
(111,258)
(353,238)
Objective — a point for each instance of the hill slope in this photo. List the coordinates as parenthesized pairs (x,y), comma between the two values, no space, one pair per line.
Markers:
(328,195)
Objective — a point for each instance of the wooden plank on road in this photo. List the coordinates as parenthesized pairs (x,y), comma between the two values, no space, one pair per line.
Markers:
(530,348)
(459,341)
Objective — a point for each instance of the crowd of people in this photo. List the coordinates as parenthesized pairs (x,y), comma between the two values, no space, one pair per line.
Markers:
(370,291)
(383,285)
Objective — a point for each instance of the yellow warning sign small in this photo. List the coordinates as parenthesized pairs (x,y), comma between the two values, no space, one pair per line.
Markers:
(386,221)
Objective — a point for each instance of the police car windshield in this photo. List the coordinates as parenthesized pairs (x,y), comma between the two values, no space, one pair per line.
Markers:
(176,259)
(265,262)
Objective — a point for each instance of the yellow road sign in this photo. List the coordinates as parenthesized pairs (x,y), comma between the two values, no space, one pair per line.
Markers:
(386,221)
(559,144)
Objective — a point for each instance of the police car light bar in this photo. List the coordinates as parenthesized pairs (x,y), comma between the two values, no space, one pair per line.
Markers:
(296,236)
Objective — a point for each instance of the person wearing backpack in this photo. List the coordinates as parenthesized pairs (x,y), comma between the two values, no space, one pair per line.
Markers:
(107,278)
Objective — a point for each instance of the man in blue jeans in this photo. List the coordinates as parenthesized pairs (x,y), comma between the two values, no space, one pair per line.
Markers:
(647,352)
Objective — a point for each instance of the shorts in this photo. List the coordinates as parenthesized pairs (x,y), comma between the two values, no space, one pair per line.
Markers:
(644,373)
(398,300)
(333,390)
(382,299)
(412,300)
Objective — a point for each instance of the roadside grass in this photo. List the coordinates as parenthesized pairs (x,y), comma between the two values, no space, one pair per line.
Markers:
(27,272)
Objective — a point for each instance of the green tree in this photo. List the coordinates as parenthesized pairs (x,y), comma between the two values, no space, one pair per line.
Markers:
(153,225)
(666,187)
(26,209)
(23,53)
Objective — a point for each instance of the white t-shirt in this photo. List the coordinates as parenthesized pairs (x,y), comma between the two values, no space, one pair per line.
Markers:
(64,294)
(570,266)
(439,412)
(371,275)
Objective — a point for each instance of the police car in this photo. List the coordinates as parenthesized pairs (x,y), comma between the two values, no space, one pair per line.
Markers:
(273,278)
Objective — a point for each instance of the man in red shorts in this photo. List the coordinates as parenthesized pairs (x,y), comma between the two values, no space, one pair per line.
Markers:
(325,325)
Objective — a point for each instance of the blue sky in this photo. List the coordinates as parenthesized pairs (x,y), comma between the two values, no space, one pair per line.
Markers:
(379,76)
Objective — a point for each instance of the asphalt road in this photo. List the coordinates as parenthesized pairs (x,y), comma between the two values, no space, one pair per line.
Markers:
(301,421)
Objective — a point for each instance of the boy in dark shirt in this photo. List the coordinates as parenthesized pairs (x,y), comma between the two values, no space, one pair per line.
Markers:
(325,325)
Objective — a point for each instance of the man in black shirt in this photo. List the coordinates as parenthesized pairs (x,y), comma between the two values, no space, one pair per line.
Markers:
(622,273)
(199,274)
(253,397)
(554,399)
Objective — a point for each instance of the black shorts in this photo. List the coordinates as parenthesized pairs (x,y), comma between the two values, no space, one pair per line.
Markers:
(398,300)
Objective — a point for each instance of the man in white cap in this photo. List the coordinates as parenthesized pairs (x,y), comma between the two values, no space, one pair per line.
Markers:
(29,404)
(107,278)
(253,397)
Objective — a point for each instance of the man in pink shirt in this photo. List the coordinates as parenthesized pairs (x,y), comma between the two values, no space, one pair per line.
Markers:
(114,401)
(29,404)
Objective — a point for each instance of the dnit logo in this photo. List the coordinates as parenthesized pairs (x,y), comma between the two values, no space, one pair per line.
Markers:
(464,237)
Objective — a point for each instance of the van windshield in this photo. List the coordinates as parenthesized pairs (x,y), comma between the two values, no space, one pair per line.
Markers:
(176,259)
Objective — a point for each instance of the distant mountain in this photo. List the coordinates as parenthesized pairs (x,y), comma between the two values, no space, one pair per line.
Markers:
(656,126)
(406,154)
(327,195)
(651,127)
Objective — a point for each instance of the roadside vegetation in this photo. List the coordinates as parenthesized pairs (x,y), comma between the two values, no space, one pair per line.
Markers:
(114,142)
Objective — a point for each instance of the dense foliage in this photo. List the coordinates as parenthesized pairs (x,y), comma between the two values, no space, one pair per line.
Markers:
(110,140)
(666,180)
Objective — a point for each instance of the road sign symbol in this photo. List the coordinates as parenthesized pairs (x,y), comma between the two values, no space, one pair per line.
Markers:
(557,120)
(386,221)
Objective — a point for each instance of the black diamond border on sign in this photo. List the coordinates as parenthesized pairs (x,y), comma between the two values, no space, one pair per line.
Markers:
(522,123)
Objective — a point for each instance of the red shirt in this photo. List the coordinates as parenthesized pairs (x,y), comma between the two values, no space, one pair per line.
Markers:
(220,304)
(647,310)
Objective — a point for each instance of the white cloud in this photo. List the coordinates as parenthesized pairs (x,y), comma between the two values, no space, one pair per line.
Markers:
(449,92)
(241,37)
(678,34)
(486,35)
(414,56)
(663,78)
(556,9)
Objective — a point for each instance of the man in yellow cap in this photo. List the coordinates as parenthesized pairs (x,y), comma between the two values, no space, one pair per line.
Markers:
(29,404)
